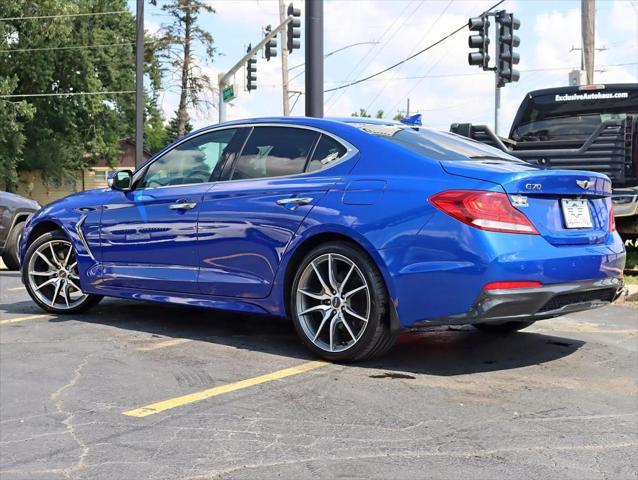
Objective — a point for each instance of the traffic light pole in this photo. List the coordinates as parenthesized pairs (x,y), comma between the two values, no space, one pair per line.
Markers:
(497,88)
(224,78)
(497,102)
(314,58)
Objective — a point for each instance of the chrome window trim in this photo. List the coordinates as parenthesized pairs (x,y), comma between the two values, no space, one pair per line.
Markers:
(351,151)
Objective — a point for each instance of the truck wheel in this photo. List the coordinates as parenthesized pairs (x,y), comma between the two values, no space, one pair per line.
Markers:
(11,255)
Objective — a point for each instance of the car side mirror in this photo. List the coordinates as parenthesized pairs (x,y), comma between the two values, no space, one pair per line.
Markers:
(121,180)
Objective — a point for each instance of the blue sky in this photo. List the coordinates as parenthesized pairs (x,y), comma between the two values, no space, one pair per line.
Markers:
(453,92)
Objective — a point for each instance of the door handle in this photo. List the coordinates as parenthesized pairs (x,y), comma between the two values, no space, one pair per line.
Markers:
(183,206)
(294,201)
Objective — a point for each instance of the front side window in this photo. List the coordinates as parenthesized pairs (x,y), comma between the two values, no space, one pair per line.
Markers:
(192,161)
(274,152)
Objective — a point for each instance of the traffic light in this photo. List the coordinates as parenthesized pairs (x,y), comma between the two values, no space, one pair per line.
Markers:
(506,42)
(270,49)
(251,72)
(293,34)
(481,41)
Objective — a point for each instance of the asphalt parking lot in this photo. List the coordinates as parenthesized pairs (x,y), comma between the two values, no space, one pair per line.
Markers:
(144,391)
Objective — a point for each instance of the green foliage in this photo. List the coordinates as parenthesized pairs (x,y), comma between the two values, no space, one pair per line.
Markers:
(13,116)
(171,130)
(398,117)
(66,133)
(176,45)
(363,113)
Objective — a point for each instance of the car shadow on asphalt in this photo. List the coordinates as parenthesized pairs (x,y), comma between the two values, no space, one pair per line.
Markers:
(443,352)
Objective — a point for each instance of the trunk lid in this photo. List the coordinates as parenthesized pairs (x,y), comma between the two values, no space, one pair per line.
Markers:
(539,194)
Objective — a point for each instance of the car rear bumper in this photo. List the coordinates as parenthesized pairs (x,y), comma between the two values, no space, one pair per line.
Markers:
(531,304)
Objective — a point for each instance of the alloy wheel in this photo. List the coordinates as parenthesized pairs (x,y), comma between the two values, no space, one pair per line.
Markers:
(333,302)
(53,275)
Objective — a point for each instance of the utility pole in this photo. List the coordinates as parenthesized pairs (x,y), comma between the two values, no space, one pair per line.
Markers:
(407,110)
(284,61)
(314,58)
(139,84)
(588,29)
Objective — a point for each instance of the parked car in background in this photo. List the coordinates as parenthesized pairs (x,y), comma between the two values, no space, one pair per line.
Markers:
(356,229)
(14,211)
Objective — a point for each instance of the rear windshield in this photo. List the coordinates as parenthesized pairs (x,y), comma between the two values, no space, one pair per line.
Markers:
(436,145)
(575,127)
(572,116)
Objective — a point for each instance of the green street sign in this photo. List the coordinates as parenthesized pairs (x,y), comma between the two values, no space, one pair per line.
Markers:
(228,93)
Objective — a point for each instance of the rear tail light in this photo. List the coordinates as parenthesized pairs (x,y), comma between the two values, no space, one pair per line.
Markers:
(511,285)
(490,211)
(612,219)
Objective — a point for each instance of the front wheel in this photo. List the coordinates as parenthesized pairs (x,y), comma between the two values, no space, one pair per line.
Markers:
(502,328)
(339,304)
(50,274)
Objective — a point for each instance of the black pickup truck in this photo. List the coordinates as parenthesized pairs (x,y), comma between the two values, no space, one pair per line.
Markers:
(592,127)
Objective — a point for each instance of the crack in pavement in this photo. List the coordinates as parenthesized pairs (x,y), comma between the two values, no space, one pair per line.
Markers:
(70,428)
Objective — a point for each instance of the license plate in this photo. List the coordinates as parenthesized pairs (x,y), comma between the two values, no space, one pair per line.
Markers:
(576,213)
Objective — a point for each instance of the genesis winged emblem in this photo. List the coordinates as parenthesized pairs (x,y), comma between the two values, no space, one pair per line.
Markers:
(584,184)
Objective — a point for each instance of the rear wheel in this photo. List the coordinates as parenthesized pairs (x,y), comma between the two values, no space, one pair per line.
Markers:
(50,274)
(11,255)
(339,304)
(502,328)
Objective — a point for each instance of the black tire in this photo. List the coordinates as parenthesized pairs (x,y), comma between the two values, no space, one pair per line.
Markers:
(11,255)
(90,300)
(502,328)
(377,338)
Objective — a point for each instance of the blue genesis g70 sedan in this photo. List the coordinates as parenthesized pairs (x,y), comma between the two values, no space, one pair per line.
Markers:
(355,229)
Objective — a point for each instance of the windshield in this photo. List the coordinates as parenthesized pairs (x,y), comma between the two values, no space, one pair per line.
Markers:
(564,128)
(436,145)
(572,116)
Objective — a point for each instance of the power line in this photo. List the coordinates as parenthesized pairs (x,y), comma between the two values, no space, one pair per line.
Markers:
(332,100)
(445,9)
(67,94)
(64,15)
(40,49)
(391,67)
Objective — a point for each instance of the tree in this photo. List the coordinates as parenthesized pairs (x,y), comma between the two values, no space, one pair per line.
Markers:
(172,133)
(72,125)
(398,117)
(13,115)
(363,113)
(177,43)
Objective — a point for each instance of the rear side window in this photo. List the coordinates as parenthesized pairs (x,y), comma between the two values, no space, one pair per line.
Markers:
(274,152)
(328,150)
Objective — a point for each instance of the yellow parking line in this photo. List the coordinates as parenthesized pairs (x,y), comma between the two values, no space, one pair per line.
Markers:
(15,289)
(167,343)
(22,319)
(230,387)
